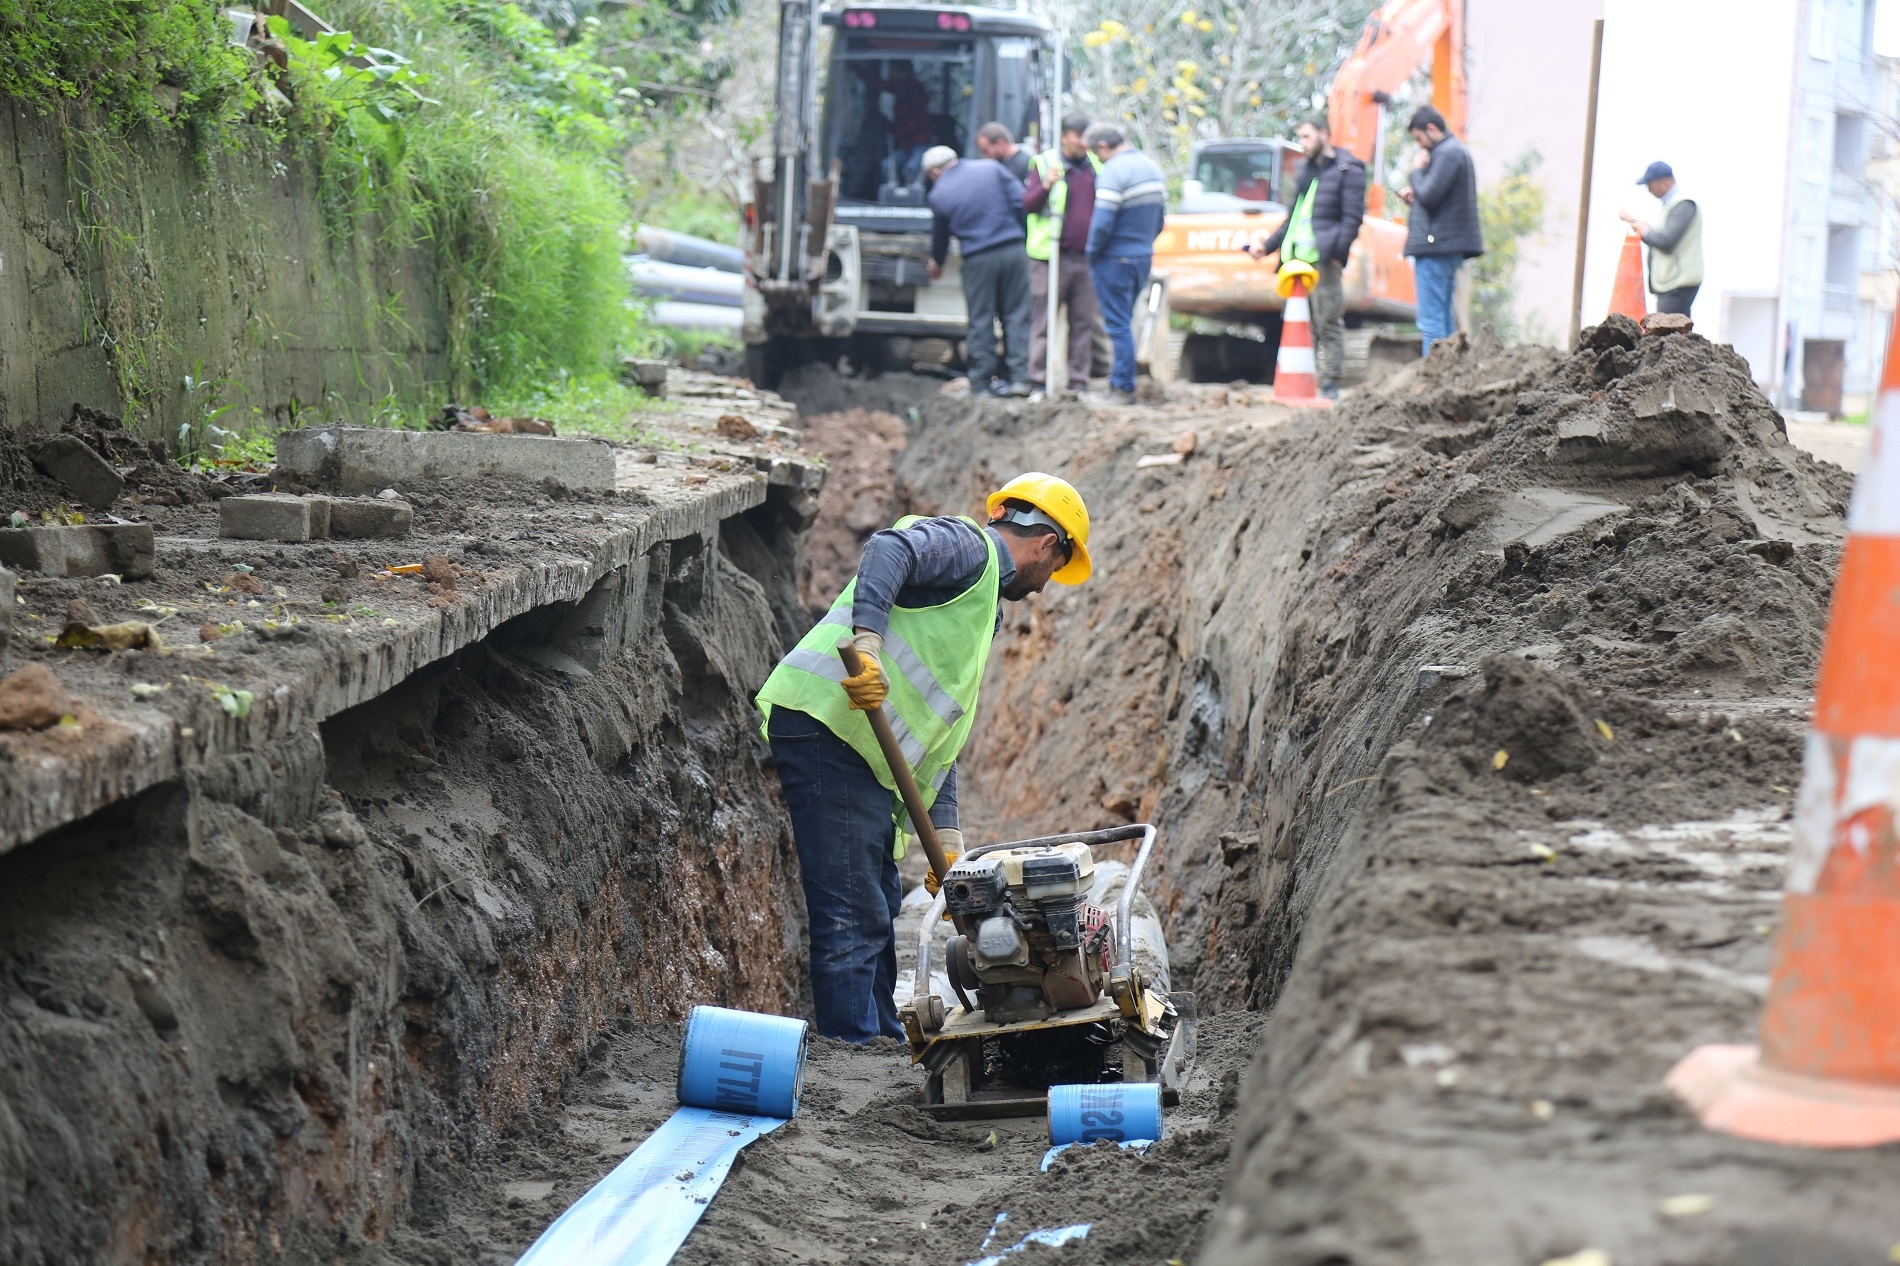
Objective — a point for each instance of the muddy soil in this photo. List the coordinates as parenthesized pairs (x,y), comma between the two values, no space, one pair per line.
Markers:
(1471,714)
(862,1175)
(1355,664)
(266,1011)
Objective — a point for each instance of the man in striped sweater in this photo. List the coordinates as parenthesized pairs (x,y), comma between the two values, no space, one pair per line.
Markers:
(1131,199)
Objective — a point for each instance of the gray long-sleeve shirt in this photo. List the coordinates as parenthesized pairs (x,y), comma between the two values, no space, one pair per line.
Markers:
(1668,235)
(925,565)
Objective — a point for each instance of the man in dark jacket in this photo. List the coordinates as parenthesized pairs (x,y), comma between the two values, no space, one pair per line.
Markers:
(1444,232)
(981,204)
(1320,230)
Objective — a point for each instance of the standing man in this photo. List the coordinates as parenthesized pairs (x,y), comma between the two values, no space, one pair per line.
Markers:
(1060,199)
(996,143)
(1326,217)
(979,202)
(922,612)
(1131,199)
(1675,249)
(1444,232)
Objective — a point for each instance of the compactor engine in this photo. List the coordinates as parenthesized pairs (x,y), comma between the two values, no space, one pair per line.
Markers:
(1035,944)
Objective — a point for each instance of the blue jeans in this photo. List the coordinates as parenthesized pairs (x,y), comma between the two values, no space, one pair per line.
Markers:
(842,826)
(1118,281)
(1437,279)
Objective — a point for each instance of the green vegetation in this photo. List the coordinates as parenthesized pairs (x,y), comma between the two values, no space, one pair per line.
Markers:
(472,131)
(590,406)
(164,64)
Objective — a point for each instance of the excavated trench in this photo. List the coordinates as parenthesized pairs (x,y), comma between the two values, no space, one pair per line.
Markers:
(1470,713)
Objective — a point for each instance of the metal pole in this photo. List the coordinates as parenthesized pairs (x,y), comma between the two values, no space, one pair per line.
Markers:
(1049,383)
(1583,198)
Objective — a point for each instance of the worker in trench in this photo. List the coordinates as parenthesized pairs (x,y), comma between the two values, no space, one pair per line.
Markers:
(922,612)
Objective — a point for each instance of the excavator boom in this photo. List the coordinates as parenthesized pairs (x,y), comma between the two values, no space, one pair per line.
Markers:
(1397,40)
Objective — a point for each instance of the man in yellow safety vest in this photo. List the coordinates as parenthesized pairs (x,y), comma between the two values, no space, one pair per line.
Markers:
(1327,213)
(1059,197)
(922,612)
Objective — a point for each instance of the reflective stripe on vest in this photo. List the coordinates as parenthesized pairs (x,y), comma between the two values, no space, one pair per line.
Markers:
(933,659)
(1045,226)
(1300,242)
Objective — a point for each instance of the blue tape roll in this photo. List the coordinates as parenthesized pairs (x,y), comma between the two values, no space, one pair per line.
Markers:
(743,1062)
(1119,1112)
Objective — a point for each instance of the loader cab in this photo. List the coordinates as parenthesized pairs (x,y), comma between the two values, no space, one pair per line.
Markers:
(903,78)
(1242,175)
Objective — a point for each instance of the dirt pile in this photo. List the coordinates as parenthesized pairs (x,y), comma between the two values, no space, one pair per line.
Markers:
(1471,713)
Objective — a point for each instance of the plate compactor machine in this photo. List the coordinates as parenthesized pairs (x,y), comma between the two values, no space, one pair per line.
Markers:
(1050,988)
(1061,995)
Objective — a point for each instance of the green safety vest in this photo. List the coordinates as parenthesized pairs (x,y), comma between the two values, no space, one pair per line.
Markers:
(933,659)
(1300,242)
(1045,227)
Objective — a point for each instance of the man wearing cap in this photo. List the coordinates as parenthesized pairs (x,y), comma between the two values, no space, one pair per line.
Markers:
(922,612)
(977,201)
(1675,249)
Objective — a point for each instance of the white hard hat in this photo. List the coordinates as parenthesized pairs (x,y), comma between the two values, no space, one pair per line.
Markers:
(938,156)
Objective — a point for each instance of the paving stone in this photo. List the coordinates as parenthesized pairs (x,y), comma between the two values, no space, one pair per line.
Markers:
(370,518)
(274,516)
(93,549)
(356,460)
(85,474)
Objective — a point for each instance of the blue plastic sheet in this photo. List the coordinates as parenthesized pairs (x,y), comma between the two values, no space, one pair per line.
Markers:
(739,1080)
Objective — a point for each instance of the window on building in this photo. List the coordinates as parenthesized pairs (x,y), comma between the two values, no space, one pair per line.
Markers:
(1821,29)
(1843,255)
(1850,143)
(1814,147)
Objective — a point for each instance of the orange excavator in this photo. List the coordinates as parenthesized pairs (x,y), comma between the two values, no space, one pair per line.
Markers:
(1239,191)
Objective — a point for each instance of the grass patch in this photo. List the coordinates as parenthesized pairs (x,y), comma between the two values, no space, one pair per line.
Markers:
(587,406)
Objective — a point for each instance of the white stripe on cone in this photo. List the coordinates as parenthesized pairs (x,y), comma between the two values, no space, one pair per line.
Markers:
(1297,311)
(1875,509)
(1296,360)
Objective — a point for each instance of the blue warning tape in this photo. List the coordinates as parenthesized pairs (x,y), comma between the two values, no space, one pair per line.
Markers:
(739,1080)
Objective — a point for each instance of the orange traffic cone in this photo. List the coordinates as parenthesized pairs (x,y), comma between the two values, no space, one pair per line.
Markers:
(1827,1072)
(1627,295)
(1295,376)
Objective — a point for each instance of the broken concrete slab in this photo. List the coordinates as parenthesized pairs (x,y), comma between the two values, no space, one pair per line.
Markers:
(85,474)
(274,516)
(1538,516)
(1660,323)
(1674,397)
(370,518)
(357,460)
(94,549)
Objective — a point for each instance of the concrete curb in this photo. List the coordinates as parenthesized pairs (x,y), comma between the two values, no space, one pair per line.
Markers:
(136,748)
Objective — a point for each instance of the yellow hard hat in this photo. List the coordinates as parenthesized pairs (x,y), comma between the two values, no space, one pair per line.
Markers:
(1058,499)
(1289,269)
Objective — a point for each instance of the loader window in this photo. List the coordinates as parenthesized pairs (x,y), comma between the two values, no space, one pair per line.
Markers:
(889,110)
(1247,174)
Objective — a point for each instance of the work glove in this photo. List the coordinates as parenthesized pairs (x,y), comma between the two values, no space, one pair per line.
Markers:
(868,688)
(952,840)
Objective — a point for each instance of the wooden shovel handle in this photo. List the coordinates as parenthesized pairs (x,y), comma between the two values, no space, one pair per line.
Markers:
(900,769)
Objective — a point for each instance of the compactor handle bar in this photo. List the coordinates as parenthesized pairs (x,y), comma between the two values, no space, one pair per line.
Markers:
(1124,909)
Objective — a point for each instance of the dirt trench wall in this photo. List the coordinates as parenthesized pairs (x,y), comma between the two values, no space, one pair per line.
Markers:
(218,268)
(264,1014)
(1304,649)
